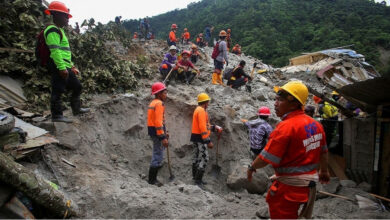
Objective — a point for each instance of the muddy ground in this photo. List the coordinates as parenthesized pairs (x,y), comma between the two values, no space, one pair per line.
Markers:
(111,150)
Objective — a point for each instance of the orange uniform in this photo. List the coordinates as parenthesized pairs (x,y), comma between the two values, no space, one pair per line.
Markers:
(156,119)
(201,127)
(172,36)
(294,148)
(186,35)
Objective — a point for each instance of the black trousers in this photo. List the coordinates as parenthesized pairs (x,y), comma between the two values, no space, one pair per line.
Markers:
(237,83)
(59,86)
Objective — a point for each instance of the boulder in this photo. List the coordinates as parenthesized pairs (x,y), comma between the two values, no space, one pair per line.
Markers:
(67,134)
(238,179)
(364,186)
(348,183)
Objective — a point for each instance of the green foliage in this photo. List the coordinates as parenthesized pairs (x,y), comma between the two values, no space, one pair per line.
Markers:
(101,71)
(276,30)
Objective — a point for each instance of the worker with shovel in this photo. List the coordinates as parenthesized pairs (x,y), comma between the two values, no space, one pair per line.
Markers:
(200,137)
(169,61)
(296,149)
(60,65)
(157,130)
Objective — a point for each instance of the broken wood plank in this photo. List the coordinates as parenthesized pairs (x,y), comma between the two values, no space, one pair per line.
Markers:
(37,142)
(68,162)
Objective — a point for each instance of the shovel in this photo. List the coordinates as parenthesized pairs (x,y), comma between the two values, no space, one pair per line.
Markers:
(171,176)
(169,74)
(216,169)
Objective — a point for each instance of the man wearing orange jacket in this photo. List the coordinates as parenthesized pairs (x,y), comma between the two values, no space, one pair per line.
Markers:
(157,130)
(296,149)
(172,35)
(185,37)
(200,137)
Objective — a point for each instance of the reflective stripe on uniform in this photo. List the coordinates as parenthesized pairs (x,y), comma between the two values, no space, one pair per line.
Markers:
(203,133)
(160,128)
(152,108)
(270,157)
(300,169)
(58,47)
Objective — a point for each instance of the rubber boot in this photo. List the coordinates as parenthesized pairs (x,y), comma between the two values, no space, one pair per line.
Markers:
(194,171)
(199,177)
(153,176)
(76,107)
(61,118)
(190,78)
(219,79)
(214,79)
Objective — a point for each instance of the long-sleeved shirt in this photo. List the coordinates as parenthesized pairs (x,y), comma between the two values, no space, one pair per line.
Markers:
(222,56)
(259,131)
(238,73)
(59,47)
(169,60)
(172,36)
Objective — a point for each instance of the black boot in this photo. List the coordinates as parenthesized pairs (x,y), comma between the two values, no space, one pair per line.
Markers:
(190,78)
(199,177)
(76,107)
(153,177)
(60,118)
(194,171)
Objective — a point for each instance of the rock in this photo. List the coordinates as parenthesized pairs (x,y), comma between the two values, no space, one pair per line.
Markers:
(67,134)
(238,180)
(348,183)
(331,187)
(263,213)
(259,95)
(364,186)
(114,157)
(331,208)
(271,95)
(48,126)
(230,199)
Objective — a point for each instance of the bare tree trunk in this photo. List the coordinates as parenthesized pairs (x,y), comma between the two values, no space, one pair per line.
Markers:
(35,188)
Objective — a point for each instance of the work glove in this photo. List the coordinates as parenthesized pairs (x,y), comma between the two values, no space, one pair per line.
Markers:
(75,70)
(210,145)
(165,142)
(173,66)
(64,74)
(218,129)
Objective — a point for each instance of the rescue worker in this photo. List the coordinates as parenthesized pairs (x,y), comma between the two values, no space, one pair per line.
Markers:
(135,36)
(118,20)
(169,61)
(229,39)
(239,77)
(60,65)
(144,27)
(329,115)
(296,149)
(237,50)
(259,130)
(221,59)
(194,53)
(183,71)
(309,110)
(77,28)
(185,36)
(157,130)
(207,33)
(200,40)
(200,137)
(172,35)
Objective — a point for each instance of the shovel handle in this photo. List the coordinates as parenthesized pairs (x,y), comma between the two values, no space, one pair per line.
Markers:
(166,78)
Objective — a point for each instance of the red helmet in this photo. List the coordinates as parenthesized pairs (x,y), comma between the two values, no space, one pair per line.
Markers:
(158,87)
(164,66)
(316,99)
(58,6)
(186,52)
(174,26)
(264,111)
(229,30)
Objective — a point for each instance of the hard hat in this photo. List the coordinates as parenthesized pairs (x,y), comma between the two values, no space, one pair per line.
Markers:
(296,89)
(135,33)
(202,97)
(236,45)
(317,99)
(222,33)
(335,93)
(193,46)
(173,47)
(261,71)
(186,52)
(228,30)
(264,111)
(59,7)
(174,26)
(185,29)
(158,87)
(164,66)
(201,34)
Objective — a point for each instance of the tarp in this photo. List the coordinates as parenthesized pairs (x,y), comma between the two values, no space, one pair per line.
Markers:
(350,53)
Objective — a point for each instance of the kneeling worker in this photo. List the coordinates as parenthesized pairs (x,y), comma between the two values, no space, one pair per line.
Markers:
(157,130)
(200,137)
(239,77)
(296,149)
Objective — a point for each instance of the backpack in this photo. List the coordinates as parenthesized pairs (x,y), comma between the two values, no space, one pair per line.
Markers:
(215,51)
(42,52)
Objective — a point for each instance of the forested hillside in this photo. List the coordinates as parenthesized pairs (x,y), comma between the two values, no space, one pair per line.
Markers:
(275,30)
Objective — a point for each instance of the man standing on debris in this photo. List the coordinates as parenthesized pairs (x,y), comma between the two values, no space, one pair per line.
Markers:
(239,77)
(229,39)
(237,50)
(60,65)
(296,149)
(157,130)
(172,35)
(200,137)
(185,37)
(195,55)
(220,57)
(200,40)
(259,130)
(329,114)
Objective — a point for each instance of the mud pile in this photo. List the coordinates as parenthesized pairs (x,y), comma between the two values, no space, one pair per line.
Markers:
(112,151)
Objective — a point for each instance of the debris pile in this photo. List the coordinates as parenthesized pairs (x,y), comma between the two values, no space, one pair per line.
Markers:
(102,72)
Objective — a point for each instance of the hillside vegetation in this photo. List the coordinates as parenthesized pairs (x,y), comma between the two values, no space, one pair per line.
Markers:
(276,30)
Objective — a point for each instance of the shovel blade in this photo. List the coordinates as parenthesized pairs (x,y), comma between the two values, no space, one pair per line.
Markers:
(215,170)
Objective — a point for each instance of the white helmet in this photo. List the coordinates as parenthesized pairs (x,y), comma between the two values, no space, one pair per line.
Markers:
(173,47)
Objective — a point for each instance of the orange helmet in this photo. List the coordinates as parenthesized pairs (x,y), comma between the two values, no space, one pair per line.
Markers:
(59,7)
(164,66)
(185,29)
(236,45)
(222,33)
(193,46)
(173,26)
(317,99)
(201,35)
(228,30)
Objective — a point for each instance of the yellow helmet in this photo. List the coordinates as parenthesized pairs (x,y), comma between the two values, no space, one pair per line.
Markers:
(296,89)
(335,93)
(202,97)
